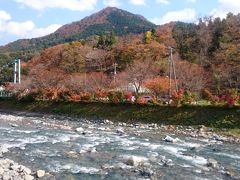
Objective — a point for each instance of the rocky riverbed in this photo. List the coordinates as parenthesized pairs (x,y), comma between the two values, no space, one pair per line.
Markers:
(58,147)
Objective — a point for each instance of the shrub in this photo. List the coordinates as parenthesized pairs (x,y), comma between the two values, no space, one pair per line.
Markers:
(214,99)
(188,98)
(101,95)
(75,97)
(177,97)
(85,96)
(231,97)
(128,96)
(116,97)
(64,95)
(141,100)
(31,96)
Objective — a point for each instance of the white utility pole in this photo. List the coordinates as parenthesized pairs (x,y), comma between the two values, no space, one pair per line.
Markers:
(19,71)
(15,72)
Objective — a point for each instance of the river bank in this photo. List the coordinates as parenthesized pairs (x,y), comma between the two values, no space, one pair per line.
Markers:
(222,119)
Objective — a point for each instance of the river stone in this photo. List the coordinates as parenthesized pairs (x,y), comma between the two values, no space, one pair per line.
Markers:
(13,125)
(219,138)
(124,124)
(88,150)
(106,121)
(212,163)
(170,139)
(40,173)
(136,161)
(28,177)
(202,128)
(147,173)
(6,177)
(167,162)
(1,171)
(72,154)
(228,173)
(5,163)
(15,167)
(9,173)
(17,178)
(80,129)
(120,132)
(26,171)
(3,149)
(153,126)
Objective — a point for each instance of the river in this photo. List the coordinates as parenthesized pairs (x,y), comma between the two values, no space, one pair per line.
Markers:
(106,150)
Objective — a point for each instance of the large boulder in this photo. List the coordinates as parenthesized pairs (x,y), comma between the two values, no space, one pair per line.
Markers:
(40,173)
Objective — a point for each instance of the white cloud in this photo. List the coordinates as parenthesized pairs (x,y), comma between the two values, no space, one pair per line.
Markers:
(4,16)
(138,2)
(185,15)
(20,29)
(112,3)
(74,5)
(38,32)
(162,1)
(226,6)
(26,29)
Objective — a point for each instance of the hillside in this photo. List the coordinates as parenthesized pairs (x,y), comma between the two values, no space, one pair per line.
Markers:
(207,54)
(109,19)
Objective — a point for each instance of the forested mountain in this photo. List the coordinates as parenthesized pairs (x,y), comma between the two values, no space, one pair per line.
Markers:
(109,19)
(213,44)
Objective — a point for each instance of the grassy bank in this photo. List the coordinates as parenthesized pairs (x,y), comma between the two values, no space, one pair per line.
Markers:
(216,117)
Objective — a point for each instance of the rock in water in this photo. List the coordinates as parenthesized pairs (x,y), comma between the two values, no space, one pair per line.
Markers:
(3,149)
(147,173)
(80,129)
(170,139)
(120,132)
(212,163)
(136,161)
(40,173)
(219,138)
(13,125)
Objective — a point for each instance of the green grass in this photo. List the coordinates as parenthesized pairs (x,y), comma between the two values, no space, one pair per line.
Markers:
(211,116)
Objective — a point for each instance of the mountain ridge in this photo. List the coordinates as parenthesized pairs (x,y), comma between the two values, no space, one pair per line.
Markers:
(108,19)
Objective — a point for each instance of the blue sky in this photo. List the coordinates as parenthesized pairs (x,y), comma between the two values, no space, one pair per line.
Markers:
(33,18)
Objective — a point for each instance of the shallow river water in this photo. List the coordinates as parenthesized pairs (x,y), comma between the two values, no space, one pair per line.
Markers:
(104,150)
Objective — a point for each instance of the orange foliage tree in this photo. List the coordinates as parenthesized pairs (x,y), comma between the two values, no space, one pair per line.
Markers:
(158,86)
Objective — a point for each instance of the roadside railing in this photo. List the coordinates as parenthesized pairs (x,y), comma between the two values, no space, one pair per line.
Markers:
(5,94)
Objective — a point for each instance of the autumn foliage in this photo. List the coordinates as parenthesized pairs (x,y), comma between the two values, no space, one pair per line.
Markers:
(136,66)
(158,86)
